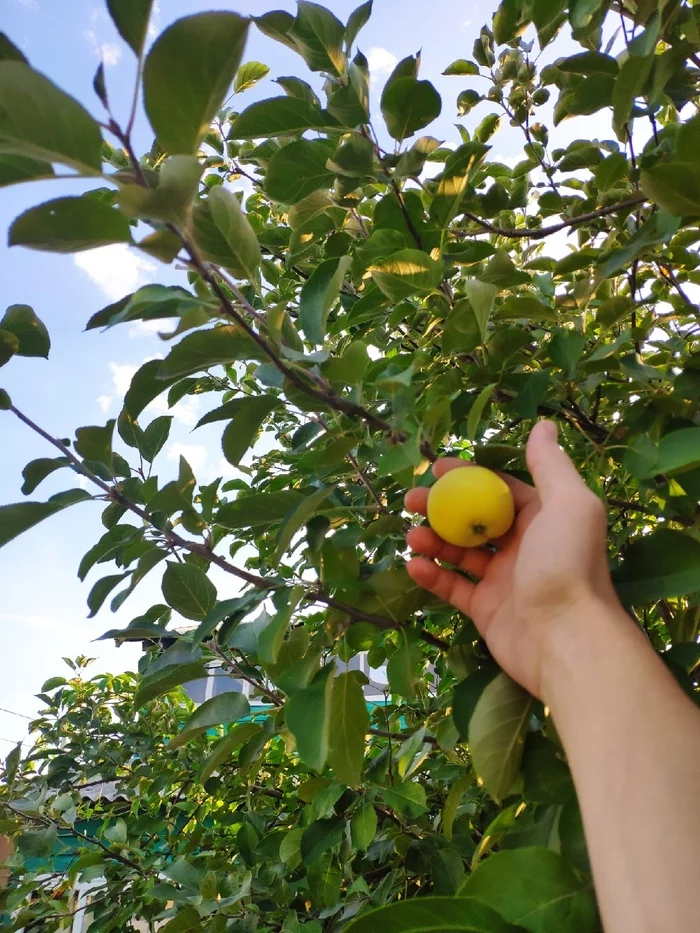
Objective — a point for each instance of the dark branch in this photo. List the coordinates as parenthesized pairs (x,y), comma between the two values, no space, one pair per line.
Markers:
(534,233)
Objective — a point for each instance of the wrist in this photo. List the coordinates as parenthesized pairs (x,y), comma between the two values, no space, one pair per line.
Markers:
(580,642)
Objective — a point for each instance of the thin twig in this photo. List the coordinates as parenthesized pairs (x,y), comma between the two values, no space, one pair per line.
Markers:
(401,736)
(173,539)
(534,233)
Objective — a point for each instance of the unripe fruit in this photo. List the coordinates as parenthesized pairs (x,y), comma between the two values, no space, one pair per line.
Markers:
(470,506)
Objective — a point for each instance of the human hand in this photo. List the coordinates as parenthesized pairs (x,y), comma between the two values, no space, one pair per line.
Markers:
(546,574)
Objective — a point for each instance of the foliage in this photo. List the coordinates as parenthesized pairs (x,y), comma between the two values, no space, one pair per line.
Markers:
(358,311)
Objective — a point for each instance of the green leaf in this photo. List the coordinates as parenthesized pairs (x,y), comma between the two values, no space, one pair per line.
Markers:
(302,513)
(409,105)
(276,24)
(519,307)
(187,75)
(674,186)
(462,67)
(659,565)
(354,156)
(318,36)
(357,19)
(31,333)
(264,508)
(477,410)
(146,385)
(678,450)
(497,734)
(532,394)
(299,169)
(277,116)
(37,470)
(155,436)
(408,798)
(308,718)
(349,725)
(295,87)
(171,200)
(452,802)
(5,400)
(165,679)
(241,432)
(407,274)
(95,443)
(131,19)
(9,51)
(430,915)
(481,296)
(319,837)
(188,590)
(101,590)
(466,695)
(363,826)
(629,85)
(218,711)
(248,76)
(324,879)
(401,668)
(318,295)
(224,748)
(39,121)
(68,225)
(205,348)
(186,921)
(38,843)
(14,169)
(534,888)
(21,516)
(236,230)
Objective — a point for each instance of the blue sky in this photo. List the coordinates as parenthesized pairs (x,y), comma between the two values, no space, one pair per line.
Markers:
(43,609)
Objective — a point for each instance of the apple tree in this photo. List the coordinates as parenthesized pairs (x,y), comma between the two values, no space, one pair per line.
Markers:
(357,299)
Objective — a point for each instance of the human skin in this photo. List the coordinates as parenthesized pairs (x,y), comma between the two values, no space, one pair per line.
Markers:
(545,605)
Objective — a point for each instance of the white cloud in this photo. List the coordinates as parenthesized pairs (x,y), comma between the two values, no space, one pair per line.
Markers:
(381,61)
(110,53)
(104,402)
(122,374)
(115,269)
(195,454)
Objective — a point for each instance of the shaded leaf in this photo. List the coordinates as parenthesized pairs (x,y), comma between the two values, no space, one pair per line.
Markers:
(497,734)
(205,348)
(18,518)
(188,590)
(318,36)
(299,169)
(187,74)
(430,915)
(535,889)
(307,714)
(408,105)
(659,565)
(31,333)
(41,122)
(318,295)
(234,227)
(363,826)
(243,429)
(349,725)
(218,711)
(162,681)
(131,19)
(68,225)
(276,116)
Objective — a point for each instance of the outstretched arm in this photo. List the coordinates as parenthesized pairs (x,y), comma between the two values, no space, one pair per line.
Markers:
(546,607)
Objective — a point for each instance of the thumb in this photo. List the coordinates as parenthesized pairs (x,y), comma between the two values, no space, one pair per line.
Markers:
(550,467)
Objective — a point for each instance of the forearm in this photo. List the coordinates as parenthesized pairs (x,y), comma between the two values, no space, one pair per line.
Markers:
(633,743)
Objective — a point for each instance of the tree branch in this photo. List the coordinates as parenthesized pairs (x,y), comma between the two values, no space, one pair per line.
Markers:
(173,539)
(401,736)
(540,233)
